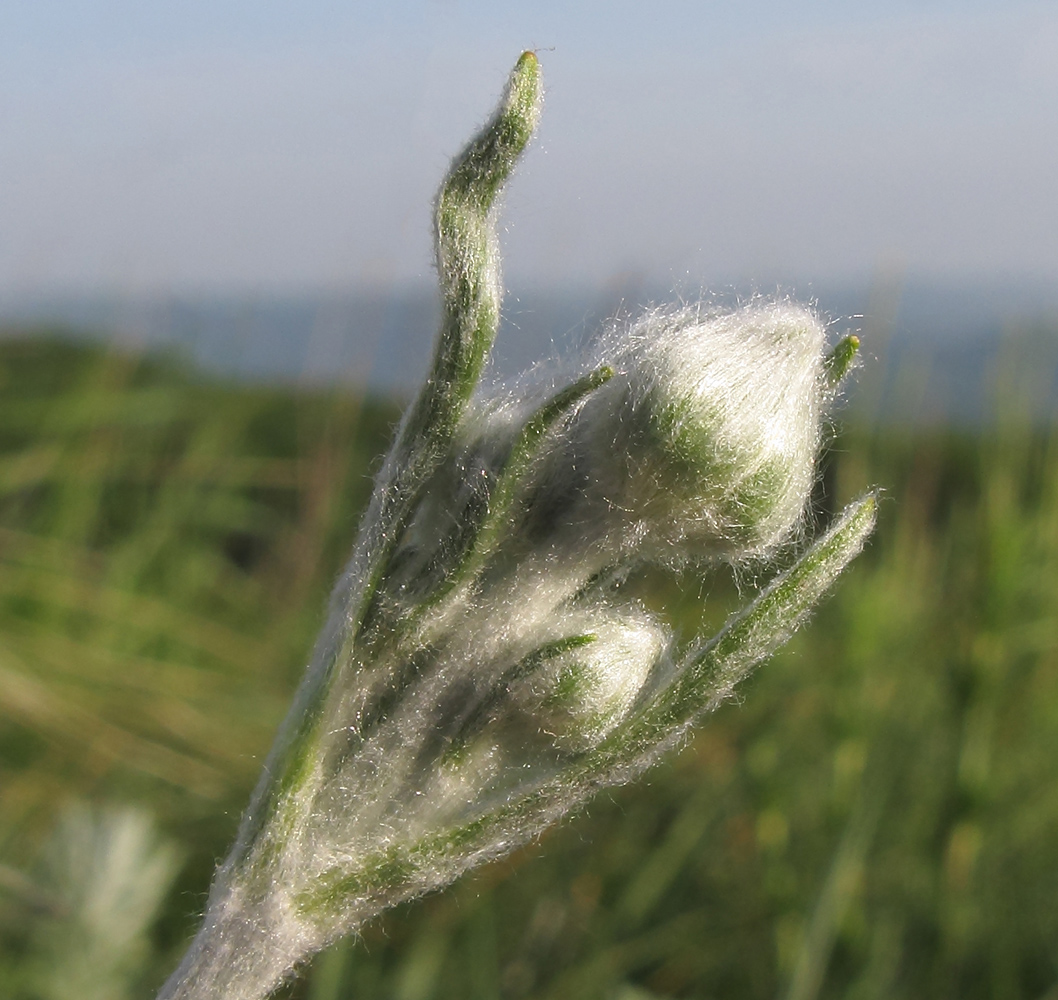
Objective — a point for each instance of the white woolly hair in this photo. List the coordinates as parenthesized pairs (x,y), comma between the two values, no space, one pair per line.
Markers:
(702,446)
(577,697)
(721,414)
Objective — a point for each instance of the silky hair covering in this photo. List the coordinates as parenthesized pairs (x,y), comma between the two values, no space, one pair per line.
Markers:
(482,672)
(702,446)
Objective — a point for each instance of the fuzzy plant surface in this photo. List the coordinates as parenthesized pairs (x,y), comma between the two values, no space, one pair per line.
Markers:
(481,673)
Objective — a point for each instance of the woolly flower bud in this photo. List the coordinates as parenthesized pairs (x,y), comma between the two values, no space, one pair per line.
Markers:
(702,445)
(579,695)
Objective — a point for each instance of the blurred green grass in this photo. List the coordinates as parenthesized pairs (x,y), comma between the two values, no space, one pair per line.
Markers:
(877,817)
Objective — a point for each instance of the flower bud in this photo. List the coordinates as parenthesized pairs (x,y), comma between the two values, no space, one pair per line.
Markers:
(702,445)
(576,697)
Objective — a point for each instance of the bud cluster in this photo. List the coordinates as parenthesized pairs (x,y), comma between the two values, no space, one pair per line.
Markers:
(480,675)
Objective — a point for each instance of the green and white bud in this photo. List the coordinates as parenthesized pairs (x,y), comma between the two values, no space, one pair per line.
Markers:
(703,445)
(577,697)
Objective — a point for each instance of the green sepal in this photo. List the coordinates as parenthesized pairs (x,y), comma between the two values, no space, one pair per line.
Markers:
(837,363)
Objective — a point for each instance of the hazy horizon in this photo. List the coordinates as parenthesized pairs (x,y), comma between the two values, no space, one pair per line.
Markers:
(931,351)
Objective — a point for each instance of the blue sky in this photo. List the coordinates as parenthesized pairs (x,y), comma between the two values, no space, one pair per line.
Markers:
(234,146)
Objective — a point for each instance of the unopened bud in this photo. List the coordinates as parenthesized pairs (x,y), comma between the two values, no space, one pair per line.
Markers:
(576,697)
(703,444)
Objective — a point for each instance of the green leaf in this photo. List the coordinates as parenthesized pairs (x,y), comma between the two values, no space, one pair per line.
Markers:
(469,274)
(468,261)
(712,671)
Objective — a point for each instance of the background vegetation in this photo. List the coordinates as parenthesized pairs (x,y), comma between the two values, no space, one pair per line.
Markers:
(878,817)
